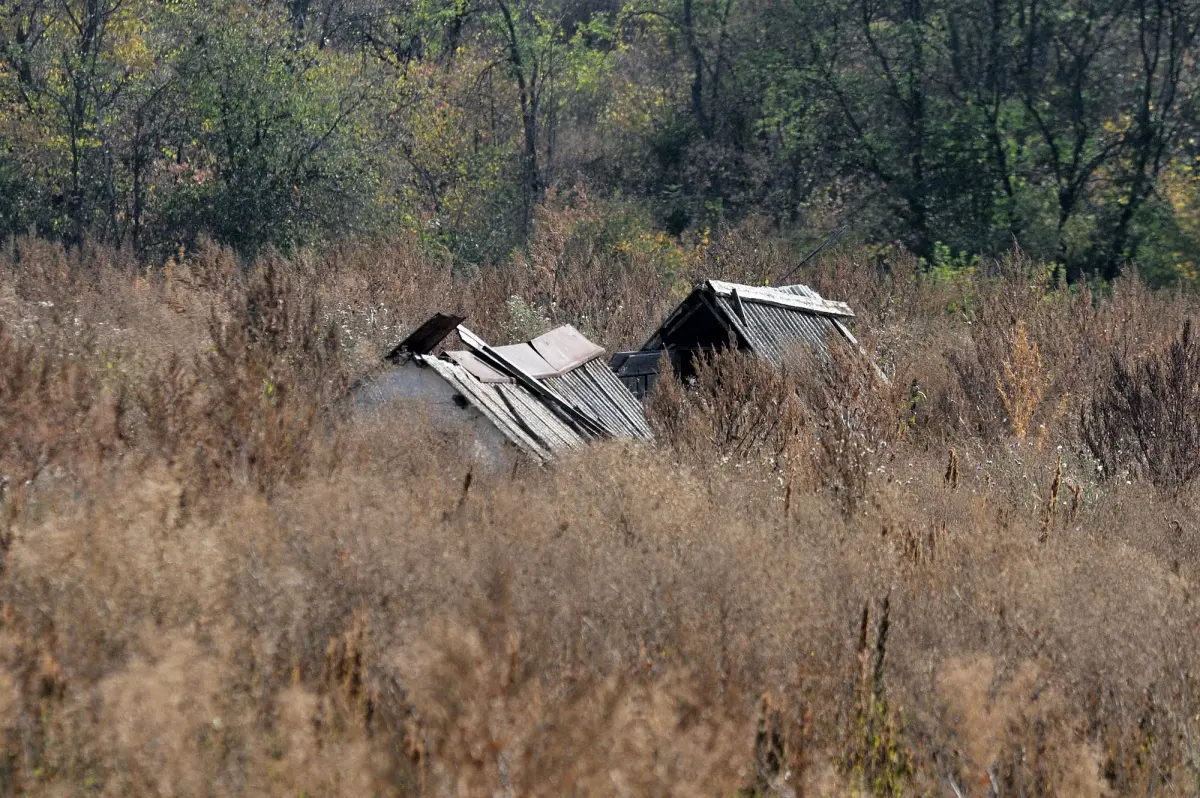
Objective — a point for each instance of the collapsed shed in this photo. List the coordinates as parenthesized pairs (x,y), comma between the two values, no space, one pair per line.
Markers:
(770,322)
(544,396)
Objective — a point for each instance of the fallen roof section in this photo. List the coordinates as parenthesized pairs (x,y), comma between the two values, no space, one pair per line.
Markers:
(550,355)
(551,394)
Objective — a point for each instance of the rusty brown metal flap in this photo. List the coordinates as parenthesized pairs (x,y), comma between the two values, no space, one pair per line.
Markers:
(425,338)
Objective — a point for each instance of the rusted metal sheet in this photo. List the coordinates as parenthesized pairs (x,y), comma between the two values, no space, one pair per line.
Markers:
(526,358)
(549,355)
(426,338)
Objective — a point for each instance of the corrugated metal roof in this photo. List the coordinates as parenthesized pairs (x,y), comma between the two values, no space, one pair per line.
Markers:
(597,389)
(776,323)
(773,322)
(527,423)
(791,297)
(572,370)
(775,332)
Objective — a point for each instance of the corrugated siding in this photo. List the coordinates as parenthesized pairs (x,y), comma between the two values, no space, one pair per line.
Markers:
(535,416)
(531,425)
(597,390)
(774,332)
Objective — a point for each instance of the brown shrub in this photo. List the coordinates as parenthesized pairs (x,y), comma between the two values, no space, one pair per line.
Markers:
(53,408)
(250,408)
(736,411)
(1145,417)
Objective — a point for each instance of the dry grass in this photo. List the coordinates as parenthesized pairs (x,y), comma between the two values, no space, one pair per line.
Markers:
(213,584)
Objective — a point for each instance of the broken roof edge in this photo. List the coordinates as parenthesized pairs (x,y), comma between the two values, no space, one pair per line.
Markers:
(579,418)
(424,339)
(701,296)
(775,296)
(552,354)
(780,296)
(487,401)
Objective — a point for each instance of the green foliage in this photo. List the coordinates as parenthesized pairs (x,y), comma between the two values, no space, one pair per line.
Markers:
(945,263)
(277,150)
(951,128)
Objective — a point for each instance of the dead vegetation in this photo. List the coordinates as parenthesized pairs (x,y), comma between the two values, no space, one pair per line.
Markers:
(1144,419)
(214,584)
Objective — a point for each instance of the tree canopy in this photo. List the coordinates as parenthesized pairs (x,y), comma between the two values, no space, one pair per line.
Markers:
(950,128)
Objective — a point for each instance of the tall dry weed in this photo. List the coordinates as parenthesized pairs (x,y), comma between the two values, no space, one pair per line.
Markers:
(1145,418)
(396,622)
(1022,382)
(248,409)
(736,410)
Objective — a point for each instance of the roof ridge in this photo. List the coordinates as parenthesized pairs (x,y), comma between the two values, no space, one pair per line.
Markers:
(774,296)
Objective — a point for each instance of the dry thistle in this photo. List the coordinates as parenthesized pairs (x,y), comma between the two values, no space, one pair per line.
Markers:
(952,469)
(1051,510)
(1076,501)
(1023,382)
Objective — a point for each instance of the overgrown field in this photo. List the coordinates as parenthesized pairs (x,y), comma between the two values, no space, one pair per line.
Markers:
(978,578)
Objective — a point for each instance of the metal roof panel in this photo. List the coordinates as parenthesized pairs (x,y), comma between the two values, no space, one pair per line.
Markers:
(480,370)
(486,399)
(782,298)
(565,348)
(601,392)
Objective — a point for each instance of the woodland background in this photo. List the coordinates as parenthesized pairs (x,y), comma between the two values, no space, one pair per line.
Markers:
(951,129)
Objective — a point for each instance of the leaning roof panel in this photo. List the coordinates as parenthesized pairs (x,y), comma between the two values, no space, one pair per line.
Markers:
(545,396)
(596,387)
